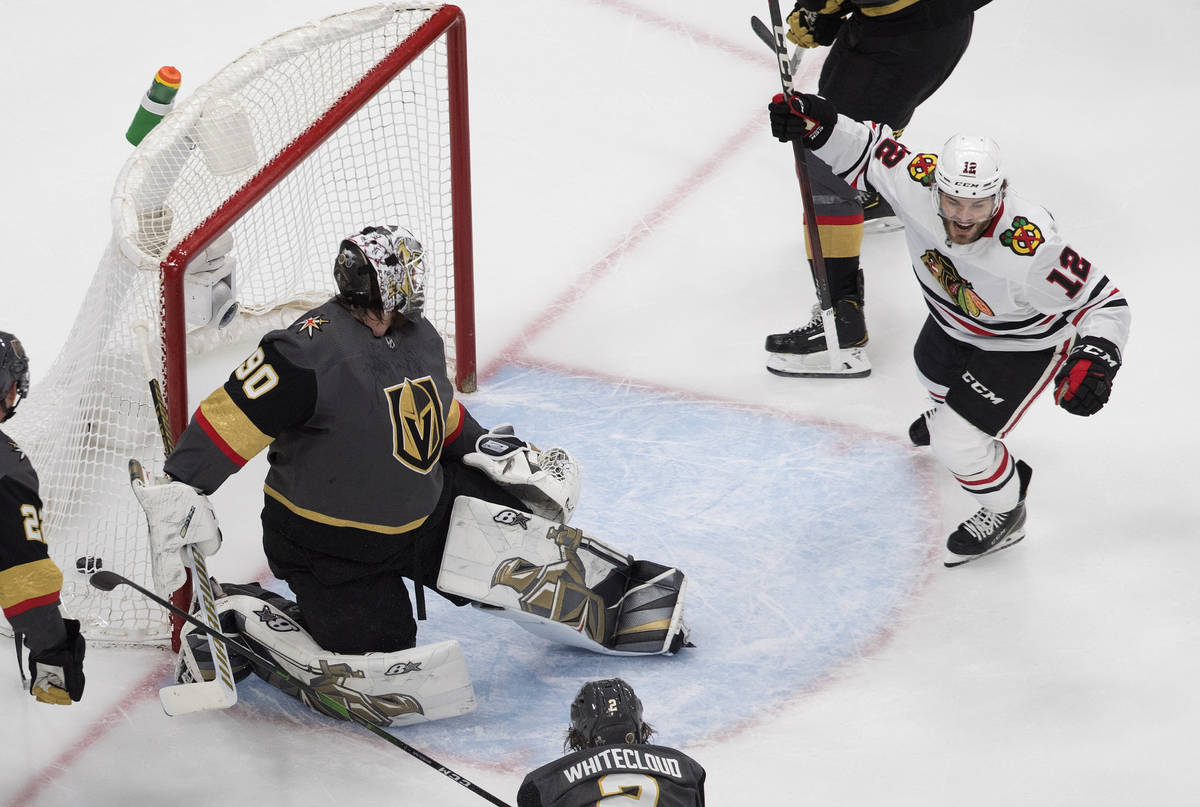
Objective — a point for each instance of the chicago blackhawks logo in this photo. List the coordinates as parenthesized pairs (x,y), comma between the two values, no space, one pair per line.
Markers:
(418,423)
(1024,238)
(959,290)
(921,168)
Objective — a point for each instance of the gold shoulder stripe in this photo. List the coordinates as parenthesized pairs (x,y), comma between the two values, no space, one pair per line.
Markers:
(27,581)
(232,425)
(321,518)
(890,8)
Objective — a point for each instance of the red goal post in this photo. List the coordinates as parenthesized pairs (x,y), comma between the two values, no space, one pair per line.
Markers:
(226,221)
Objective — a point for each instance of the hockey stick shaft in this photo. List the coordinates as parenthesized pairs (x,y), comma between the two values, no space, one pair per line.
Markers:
(764,33)
(197,583)
(819,273)
(106,580)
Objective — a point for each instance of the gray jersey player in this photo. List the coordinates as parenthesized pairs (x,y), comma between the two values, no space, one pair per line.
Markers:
(378,473)
(29,580)
(611,757)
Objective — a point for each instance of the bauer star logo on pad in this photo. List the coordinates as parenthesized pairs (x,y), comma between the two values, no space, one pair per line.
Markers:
(274,621)
(312,324)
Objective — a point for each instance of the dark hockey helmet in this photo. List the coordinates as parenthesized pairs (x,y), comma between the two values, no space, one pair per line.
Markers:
(14,367)
(607,713)
(382,269)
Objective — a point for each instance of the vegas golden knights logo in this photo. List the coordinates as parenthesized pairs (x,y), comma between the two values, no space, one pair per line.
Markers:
(557,591)
(418,426)
(330,681)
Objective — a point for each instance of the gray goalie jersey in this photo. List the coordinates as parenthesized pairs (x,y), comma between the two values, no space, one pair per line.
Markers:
(356,428)
(643,774)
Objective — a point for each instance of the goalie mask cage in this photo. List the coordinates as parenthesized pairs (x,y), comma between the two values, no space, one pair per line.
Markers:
(358,120)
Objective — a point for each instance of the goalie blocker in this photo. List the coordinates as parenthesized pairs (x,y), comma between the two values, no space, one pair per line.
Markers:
(558,583)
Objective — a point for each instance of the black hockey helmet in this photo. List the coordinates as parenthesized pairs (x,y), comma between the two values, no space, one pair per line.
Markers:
(382,269)
(607,713)
(14,366)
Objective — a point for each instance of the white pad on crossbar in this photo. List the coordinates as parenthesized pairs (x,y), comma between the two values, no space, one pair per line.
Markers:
(429,682)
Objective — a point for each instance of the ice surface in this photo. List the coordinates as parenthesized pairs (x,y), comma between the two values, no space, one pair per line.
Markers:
(637,235)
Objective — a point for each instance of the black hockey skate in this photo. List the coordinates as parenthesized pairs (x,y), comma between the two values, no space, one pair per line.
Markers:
(878,216)
(810,338)
(988,532)
(918,430)
(802,352)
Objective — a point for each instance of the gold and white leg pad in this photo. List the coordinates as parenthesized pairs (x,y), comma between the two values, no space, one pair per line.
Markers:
(429,682)
(560,584)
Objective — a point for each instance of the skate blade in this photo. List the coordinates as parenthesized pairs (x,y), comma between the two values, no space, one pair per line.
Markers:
(953,560)
(854,364)
(887,224)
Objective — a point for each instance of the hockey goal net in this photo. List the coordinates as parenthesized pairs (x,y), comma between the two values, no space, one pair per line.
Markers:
(242,193)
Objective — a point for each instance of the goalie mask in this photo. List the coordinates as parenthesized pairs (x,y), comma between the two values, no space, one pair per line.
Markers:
(968,171)
(382,269)
(606,713)
(14,367)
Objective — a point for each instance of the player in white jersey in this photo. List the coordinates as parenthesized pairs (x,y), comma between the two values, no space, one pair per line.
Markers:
(1012,306)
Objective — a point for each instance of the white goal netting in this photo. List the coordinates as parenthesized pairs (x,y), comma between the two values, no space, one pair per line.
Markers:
(250,182)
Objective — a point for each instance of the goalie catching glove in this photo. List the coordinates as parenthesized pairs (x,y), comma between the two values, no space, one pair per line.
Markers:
(179,516)
(548,482)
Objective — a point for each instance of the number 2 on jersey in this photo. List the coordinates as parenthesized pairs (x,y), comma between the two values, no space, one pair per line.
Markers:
(627,789)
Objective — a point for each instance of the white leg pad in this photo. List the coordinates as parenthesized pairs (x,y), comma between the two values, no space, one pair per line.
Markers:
(429,682)
(557,582)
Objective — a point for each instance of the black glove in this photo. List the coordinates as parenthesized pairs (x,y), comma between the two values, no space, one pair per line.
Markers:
(815,22)
(1083,385)
(802,117)
(56,673)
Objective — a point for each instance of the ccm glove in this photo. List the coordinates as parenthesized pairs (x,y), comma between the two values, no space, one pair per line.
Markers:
(56,673)
(800,116)
(813,23)
(1083,385)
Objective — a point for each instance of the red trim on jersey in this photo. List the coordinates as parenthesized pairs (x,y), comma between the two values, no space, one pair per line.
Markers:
(1079,314)
(967,325)
(462,418)
(32,602)
(857,218)
(226,449)
(1062,357)
(999,472)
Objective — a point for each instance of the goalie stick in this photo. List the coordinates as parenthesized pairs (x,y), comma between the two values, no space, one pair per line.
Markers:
(199,695)
(106,580)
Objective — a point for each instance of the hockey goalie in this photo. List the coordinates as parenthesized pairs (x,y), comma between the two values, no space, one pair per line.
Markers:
(378,473)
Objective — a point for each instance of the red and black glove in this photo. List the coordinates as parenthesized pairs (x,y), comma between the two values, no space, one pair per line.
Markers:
(1084,383)
(801,116)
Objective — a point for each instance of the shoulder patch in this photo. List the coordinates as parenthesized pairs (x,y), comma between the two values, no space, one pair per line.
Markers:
(921,167)
(312,325)
(1024,237)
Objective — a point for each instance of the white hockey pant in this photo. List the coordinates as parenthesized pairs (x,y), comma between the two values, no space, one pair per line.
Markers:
(981,464)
